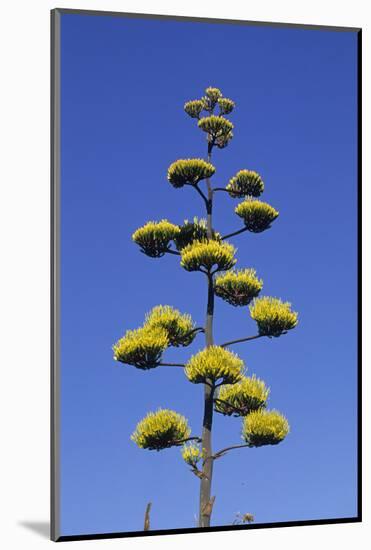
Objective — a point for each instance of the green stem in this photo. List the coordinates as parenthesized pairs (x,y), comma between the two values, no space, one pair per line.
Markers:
(234,233)
(209,389)
(226,449)
(247,339)
(171,365)
(220,189)
(209,203)
(201,193)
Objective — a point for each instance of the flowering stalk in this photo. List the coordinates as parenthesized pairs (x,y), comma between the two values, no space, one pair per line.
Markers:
(227,390)
(209,390)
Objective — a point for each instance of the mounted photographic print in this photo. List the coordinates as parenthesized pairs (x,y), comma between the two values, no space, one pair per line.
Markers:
(205,275)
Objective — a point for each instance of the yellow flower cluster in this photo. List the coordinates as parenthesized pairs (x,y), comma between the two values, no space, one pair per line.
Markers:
(211,256)
(257,215)
(238,287)
(211,98)
(250,394)
(192,454)
(208,103)
(218,128)
(161,429)
(193,231)
(226,105)
(245,182)
(273,316)
(154,237)
(193,108)
(178,326)
(214,363)
(141,348)
(264,428)
(164,326)
(189,171)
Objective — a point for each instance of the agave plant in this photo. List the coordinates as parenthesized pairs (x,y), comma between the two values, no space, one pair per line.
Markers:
(222,373)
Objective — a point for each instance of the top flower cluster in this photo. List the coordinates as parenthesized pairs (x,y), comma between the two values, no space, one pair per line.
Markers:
(218,128)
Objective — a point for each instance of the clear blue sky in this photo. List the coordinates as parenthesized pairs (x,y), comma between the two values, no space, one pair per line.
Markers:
(124,83)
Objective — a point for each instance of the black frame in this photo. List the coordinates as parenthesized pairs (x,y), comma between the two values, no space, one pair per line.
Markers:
(55,279)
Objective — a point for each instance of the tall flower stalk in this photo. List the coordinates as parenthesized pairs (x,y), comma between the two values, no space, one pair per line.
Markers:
(227,389)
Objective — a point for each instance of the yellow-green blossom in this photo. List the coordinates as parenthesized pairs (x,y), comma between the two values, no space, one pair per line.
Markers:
(210,256)
(161,429)
(189,172)
(217,127)
(211,98)
(142,348)
(273,316)
(245,182)
(226,105)
(154,237)
(257,215)
(193,108)
(193,231)
(264,427)
(178,326)
(249,394)
(214,363)
(192,453)
(238,287)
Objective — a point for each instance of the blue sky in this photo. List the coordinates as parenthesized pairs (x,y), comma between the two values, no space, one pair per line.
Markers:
(124,83)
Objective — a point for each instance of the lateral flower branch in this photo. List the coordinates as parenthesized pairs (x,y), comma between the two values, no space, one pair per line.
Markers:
(222,373)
